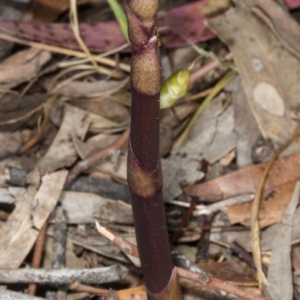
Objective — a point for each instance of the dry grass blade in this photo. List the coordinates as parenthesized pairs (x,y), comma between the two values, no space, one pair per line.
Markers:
(37,255)
(76,31)
(60,50)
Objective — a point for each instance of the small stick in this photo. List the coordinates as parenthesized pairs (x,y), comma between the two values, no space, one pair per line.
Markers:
(63,276)
(82,288)
(121,243)
(59,239)
(93,159)
(204,241)
(185,218)
(37,255)
(59,250)
(209,209)
(123,294)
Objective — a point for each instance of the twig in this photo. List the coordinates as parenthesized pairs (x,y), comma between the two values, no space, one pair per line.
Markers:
(185,218)
(255,230)
(93,159)
(204,223)
(121,243)
(202,209)
(63,276)
(37,255)
(59,250)
(202,278)
(78,287)
(59,239)
(131,292)
(209,209)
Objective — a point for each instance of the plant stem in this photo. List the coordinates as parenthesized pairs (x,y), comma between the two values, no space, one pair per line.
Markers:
(144,169)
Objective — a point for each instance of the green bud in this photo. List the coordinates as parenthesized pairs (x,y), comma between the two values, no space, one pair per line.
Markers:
(174,87)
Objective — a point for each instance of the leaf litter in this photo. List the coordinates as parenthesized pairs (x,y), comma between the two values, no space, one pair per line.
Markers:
(58,113)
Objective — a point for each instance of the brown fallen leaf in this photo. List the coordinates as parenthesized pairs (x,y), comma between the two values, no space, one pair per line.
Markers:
(233,270)
(22,67)
(108,109)
(276,195)
(79,89)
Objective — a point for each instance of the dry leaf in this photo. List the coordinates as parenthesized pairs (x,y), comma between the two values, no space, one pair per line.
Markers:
(232,270)
(211,137)
(98,244)
(22,67)
(79,89)
(108,109)
(115,166)
(20,231)
(276,195)
(15,110)
(61,152)
(8,195)
(85,207)
(272,95)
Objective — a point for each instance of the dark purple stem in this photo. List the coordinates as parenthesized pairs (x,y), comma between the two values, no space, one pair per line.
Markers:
(144,169)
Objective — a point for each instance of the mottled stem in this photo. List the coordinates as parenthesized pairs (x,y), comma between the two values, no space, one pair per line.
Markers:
(144,169)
